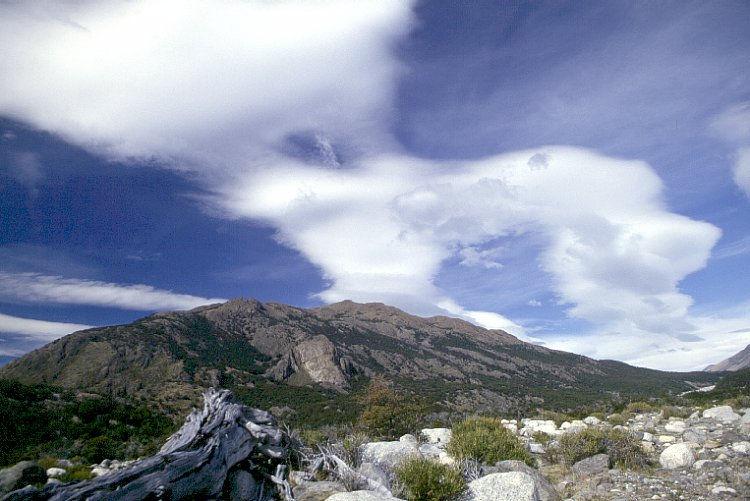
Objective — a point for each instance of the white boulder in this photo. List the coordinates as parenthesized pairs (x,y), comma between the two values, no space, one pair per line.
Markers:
(722,413)
(437,436)
(509,486)
(592,420)
(741,447)
(389,454)
(677,456)
(675,426)
(360,496)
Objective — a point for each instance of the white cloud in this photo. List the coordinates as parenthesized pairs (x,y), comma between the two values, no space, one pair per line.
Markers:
(194,83)
(534,302)
(37,329)
(733,124)
(742,170)
(34,287)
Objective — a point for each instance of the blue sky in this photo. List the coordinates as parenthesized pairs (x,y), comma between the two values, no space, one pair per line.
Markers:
(576,173)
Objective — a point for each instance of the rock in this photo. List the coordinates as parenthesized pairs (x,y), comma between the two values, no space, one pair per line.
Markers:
(647,437)
(360,496)
(592,420)
(745,419)
(374,472)
(508,486)
(536,448)
(677,456)
(438,436)
(592,466)
(315,491)
(723,414)
(319,359)
(20,475)
(533,425)
(741,447)
(675,427)
(64,463)
(544,488)
(437,453)
(722,489)
(666,439)
(410,439)
(706,463)
(55,472)
(647,446)
(695,435)
(388,454)
(98,471)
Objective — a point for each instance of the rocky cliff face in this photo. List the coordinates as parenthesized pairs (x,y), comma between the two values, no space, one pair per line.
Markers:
(170,358)
(736,362)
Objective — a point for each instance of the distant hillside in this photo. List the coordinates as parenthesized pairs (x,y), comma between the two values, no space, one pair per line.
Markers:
(313,360)
(736,362)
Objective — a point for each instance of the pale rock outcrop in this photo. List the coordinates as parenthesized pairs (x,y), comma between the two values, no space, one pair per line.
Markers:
(388,455)
(545,489)
(722,414)
(438,436)
(318,358)
(509,486)
(591,466)
(677,456)
(675,427)
(592,420)
(361,496)
(55,472)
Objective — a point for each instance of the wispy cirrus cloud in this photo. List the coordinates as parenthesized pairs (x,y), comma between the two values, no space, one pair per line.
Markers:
(37,329)
(38,288)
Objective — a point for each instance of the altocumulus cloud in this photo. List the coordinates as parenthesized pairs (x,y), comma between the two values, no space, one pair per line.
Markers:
(34,287)
(219,90)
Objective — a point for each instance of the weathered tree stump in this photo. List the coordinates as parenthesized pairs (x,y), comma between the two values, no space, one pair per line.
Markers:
(224,451)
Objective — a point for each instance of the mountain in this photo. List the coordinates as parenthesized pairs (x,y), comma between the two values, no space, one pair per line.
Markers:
(312,362)
(736,362)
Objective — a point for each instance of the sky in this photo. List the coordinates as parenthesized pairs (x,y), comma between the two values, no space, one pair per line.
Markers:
(575,173)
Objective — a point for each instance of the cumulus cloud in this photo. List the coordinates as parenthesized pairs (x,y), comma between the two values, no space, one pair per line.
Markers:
(34,287)
(37,329)
(380,231)
(733,124)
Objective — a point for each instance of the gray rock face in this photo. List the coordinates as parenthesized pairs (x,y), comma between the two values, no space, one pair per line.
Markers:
(695,435)
(736,362)
(388,455)
(437,436)
(509,486)
(20,475)
(361,496)
(592,466)
(318,358)
(677,456)
(374,472)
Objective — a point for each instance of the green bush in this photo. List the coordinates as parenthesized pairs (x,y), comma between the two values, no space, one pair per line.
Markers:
(574,447)
(541,437)
(639,407)
(77,473)
(388,413)
(617,419)
(486,440)
(669,411)
(311,438)
(100,448)
(427,480)
(625,450)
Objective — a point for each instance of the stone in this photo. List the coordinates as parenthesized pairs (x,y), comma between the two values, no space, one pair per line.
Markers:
(361,496)
(436,452)
(64,463)
(722,489)
(545,489)
(314,491)
(723,414)
(592,466)
(98,471)
(411,439)
(388,455)
(741,447)
(20,475)
(319,359)
(677,456)
(695,435)
(55,472)
(706,463)
(536,448)
(647,446)
(666,439)
(675,427)
(374,472)
(438,436)
(533,425)
(592,420)
(242,485)
(647,437)
(508,486)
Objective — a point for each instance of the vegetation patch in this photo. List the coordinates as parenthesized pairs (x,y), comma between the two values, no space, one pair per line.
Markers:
(486,440)
(427,480)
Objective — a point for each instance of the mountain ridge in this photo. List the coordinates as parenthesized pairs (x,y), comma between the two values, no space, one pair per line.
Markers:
(738,361)
(266,350)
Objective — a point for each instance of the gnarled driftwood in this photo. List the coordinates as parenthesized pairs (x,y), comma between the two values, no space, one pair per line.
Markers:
(224,451)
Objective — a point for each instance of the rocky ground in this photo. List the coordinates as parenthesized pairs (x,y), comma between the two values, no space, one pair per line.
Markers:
(705,456)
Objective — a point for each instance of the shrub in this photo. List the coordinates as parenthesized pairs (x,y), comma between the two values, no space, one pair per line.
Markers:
(351,444)
(639,407)
(47,462)
(388,413)
(485,439)
(625,450)
(617,419)
(100,448)
(311,438)
(427,480)
(576,446)
(541,437)
(77,473)
(669,411)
